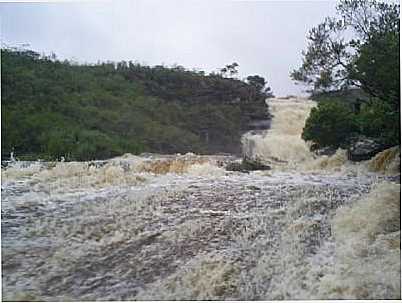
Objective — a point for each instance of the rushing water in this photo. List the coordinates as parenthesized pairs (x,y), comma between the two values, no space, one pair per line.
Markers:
(282,143)
(182,227)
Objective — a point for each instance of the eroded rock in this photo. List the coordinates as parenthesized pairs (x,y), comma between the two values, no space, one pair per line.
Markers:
(364,148)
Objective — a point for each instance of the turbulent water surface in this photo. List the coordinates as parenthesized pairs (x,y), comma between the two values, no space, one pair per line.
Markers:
(181,227)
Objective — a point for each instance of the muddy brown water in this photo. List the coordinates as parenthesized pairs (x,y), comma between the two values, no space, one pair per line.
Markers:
(180,227)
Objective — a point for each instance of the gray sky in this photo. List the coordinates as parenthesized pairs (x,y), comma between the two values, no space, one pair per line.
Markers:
(263,37)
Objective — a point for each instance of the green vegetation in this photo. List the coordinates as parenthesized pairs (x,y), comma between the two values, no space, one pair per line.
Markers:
(377,119)
(335,67)
(330,124)
(351,97)
(53,109)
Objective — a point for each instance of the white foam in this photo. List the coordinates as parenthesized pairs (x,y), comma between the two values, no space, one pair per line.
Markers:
(367,254)
(283,140)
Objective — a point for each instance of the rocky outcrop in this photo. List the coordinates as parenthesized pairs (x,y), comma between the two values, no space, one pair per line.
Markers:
(325,151)
(247,165)
(364,148)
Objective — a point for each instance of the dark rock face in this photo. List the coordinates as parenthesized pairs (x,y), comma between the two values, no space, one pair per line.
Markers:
(322,151)
(363,148)
(247,165)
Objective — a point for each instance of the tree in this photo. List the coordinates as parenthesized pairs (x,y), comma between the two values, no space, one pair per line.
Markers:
(257,81)
(376,68)
(377,120)
(260,84)
(230,69)
(330,124)
(370,60)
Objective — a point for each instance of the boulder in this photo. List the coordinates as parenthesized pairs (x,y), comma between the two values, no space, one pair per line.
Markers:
(325,151)
(322,151)
(247,165)
(364,148)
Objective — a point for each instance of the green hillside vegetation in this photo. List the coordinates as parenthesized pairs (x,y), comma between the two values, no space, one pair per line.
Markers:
(53,109)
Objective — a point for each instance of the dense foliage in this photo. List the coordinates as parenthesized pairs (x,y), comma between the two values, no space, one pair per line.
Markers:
(330,124)
(369,61)
(53,109)
(341,116)
(351,97)
(377,120)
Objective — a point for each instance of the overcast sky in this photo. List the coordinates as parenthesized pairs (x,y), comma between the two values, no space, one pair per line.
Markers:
(263,37)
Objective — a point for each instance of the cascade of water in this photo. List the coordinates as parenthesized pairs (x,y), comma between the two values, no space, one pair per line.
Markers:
(282,143)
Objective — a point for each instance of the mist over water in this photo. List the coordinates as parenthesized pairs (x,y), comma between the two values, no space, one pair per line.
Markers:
(181,227)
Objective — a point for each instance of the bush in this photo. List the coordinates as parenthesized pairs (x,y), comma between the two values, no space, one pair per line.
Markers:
(58,143)
(93,145)
(377,119)
(330,124)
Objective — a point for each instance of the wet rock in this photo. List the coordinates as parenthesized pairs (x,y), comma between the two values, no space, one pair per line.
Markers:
(235,166)
(148,238)
(247,165)
(396,179)
(252,187)
(97,163)
(364,148)
(326,151)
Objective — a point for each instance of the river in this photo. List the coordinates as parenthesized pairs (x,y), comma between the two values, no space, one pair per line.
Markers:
(181,227)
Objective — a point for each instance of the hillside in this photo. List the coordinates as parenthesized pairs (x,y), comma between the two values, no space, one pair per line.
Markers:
(53,109)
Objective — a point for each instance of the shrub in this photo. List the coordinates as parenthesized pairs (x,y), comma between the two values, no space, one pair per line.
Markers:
(377,119)
(58,143)
(330,124)
(93,145)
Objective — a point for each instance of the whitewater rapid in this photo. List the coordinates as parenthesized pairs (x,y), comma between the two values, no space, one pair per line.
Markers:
(282,143)
(181,227)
